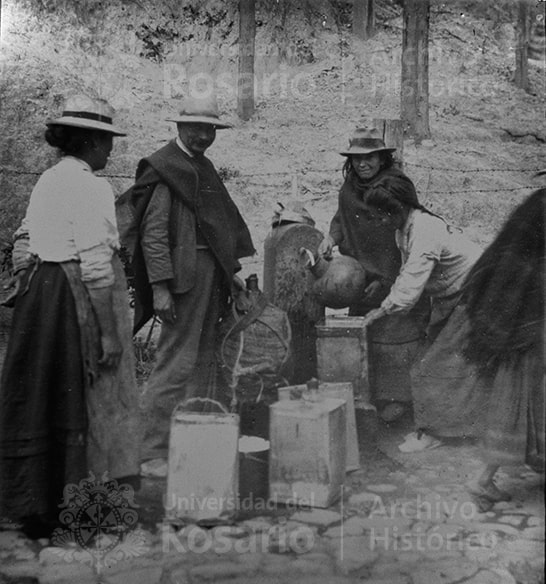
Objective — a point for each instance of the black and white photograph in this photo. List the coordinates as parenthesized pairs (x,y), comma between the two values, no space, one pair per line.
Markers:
(272,291)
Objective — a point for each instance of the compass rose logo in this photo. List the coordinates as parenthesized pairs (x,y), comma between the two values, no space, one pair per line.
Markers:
(100,523)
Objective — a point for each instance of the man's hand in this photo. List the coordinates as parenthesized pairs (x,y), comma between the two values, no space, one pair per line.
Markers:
(326,246)
(163,302)
(238,285)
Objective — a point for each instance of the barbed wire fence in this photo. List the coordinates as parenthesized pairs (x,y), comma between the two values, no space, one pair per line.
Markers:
(295,183)
(290,175)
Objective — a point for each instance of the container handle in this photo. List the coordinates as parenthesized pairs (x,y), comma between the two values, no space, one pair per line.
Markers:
(248,456)
(311,259)
(191,400)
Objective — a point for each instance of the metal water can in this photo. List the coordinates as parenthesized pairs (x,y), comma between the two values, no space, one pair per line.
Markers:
(343,391)
(342,352)
(253,473)
(203,465)
(307,451)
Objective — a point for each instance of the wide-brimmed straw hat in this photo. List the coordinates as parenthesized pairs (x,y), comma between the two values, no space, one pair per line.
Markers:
(366,141)
(195,110)
(82,111)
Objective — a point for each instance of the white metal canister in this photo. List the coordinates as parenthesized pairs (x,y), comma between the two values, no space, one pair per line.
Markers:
(202,481)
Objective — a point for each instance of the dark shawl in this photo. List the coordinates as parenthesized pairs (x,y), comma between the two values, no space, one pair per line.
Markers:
(373,245)
(221,223)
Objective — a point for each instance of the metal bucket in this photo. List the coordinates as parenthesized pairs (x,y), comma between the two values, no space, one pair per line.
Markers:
(253,473)
(394,342)
(202,476)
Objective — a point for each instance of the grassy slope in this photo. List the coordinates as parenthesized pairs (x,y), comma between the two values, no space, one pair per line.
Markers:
(306,107)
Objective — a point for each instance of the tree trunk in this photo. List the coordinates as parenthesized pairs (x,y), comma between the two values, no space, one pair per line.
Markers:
(245,80)
(414,83)
(537,35)
(521,76)
(363,19)
(393,136)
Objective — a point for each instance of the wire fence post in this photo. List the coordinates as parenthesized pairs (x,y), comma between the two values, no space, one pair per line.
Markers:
(295,186)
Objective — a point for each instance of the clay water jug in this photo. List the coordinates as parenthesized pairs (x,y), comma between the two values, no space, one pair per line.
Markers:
(339,281)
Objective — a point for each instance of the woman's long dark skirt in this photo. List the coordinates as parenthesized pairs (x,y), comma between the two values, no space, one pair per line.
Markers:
(43,416)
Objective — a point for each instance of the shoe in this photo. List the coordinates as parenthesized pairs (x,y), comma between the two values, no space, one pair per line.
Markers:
(413,443)
(490,492)
(156,468)
(393,411)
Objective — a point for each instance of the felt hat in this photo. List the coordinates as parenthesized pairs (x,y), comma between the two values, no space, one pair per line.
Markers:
(366,141)
(82,111)
(200,111)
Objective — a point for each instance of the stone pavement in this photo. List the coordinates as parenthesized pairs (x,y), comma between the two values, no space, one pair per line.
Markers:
(403,519)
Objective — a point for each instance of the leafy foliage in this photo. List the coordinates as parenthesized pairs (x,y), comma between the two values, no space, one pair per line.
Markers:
(155,38)
(79,12)
(6,264)
(145,351)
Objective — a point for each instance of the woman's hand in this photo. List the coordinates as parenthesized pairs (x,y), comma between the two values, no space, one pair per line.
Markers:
(12,289)
(373,315)
(372,293)
(102,301)
(326,246)
(111,350)
(163,302)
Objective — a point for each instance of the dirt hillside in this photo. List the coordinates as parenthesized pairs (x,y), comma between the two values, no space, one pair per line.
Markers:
(314,83)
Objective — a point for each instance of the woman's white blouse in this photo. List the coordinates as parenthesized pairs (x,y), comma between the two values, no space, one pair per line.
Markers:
(71,216)
(436,258)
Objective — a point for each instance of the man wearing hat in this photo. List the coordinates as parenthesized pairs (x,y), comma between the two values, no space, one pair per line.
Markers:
(369,167)
(187,237)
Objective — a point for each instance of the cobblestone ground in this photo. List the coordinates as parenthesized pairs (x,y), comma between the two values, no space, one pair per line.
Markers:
(403,519)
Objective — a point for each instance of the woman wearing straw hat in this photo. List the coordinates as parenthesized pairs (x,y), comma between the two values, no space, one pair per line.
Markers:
(68,392)
(369,166)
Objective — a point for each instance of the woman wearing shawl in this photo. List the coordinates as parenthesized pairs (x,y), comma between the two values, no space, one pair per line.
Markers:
(369,167)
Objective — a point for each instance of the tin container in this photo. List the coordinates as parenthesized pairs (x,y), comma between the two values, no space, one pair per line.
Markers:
(343,391)
(308,450)
(253,473)
(342,353)
(203,469)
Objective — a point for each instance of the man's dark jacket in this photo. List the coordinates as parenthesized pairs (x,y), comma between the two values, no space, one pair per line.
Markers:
(219,220)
